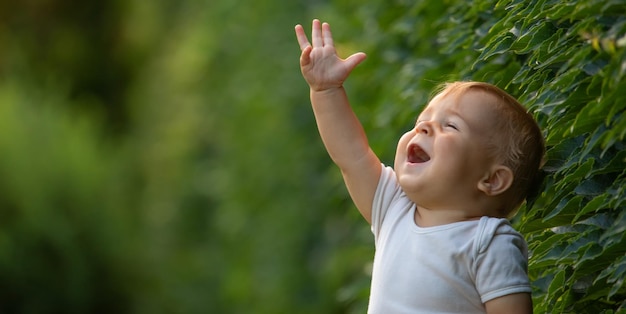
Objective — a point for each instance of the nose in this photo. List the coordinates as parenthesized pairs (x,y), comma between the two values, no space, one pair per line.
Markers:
(424,127)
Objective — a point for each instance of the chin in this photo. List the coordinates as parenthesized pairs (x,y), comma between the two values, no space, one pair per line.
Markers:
(409,183)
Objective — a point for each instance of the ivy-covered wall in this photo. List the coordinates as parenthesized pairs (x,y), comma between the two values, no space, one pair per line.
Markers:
(566,61)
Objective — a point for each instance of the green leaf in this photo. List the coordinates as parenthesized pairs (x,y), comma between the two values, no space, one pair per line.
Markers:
(533,37)
(556,287)
(588,262)
(566,79)
(616,164)
(502,4)
(615,134)
(614,275)
(548,249)
(588,119)
(565,207)
(618,102)
(560,11)
(600,221)
(594,205)
(577,246)
(616,233)
(577,59)
(558,131)
(580,172)
(592,142)
(497,45)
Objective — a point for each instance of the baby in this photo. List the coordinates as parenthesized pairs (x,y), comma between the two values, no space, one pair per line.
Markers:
(443,243)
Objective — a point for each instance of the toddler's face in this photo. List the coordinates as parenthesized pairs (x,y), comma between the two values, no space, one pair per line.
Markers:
(444,157)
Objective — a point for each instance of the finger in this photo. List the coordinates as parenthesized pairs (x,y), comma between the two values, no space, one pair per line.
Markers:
(327,35)
(305,57)
(354,60)
(303,41)
(316,34)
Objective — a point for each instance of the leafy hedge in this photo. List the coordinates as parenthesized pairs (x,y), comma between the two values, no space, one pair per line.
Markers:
(566,61)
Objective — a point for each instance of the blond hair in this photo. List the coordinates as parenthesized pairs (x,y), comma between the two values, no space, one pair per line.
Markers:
(518,142)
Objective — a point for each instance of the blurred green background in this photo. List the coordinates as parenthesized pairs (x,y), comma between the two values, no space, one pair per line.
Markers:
(161,157)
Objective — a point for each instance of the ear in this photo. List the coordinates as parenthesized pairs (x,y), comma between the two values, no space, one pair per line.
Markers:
(496,181)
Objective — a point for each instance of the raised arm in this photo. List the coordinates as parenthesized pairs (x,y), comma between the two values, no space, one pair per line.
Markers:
(339,128)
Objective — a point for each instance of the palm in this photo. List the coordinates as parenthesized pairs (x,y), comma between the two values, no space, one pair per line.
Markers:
(320,65)
(324,69)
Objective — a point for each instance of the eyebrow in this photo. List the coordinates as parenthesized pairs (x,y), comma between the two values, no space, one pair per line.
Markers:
(447,112)
(453,111)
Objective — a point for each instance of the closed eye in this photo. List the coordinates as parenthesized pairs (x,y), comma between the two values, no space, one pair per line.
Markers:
(452,125)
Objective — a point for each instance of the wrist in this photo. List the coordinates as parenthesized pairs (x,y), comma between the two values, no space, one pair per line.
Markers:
(327,90)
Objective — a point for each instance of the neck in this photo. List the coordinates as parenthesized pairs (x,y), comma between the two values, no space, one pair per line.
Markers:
(425,217)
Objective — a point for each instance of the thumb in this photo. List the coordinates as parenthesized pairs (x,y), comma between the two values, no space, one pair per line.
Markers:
(354,60)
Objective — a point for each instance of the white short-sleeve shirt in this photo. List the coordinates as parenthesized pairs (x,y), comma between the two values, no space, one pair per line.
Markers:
(453,268)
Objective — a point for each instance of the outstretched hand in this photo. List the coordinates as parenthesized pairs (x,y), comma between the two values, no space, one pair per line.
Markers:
(319,63)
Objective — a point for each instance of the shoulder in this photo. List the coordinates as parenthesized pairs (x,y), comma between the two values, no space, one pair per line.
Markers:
(494,232)
(387,183)
(389,197)
(501,260)
(388,190)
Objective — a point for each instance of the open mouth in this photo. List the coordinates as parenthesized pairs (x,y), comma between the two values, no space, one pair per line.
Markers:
(417,155)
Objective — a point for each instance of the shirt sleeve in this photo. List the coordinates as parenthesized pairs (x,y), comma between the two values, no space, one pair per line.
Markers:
(387,191)
(501,265)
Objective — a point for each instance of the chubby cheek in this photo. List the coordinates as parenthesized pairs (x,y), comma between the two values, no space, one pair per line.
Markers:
(461,157)
(401,149)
